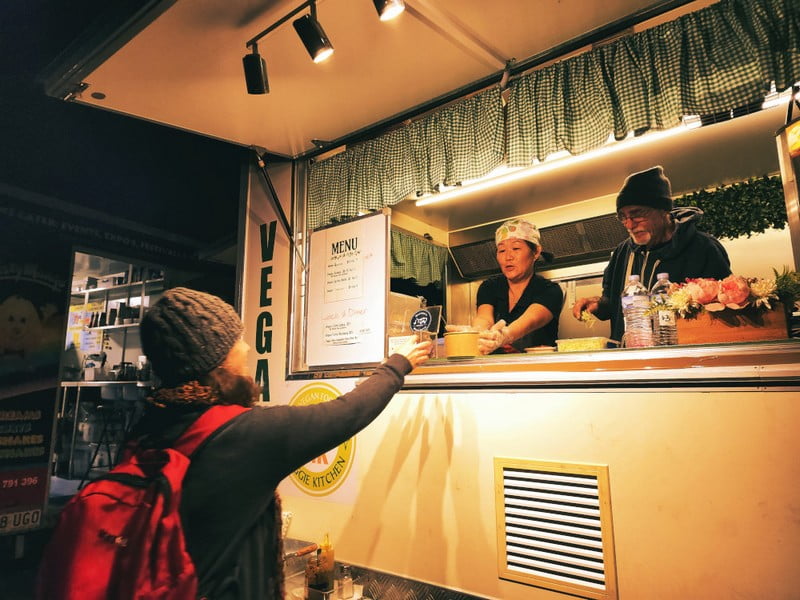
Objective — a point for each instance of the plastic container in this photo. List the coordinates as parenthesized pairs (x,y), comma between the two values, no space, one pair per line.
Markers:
(665,326)
(638,324)
(585,344)
(461,344)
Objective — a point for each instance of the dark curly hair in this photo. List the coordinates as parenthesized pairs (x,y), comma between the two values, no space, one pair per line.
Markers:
(218,386)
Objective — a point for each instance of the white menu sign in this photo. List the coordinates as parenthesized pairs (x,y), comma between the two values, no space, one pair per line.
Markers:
(347,291)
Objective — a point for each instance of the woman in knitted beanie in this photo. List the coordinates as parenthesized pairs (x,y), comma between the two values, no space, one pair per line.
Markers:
(229,507)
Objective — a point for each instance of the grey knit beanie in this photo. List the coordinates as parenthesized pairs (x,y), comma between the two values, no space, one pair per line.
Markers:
(646,188)
(188,333)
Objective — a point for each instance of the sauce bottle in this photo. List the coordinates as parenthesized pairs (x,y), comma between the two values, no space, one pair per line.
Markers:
(319,571)
(326,562)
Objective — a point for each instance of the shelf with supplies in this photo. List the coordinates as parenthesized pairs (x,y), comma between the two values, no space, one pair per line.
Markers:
(79,292)
(102,382)
(108,327)
(105,376)
(94,419)
(120,304)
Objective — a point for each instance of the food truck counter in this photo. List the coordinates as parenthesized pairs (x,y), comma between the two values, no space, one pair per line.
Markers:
(757,365)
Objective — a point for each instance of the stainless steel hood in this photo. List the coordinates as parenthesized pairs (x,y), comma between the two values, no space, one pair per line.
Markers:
(576,243)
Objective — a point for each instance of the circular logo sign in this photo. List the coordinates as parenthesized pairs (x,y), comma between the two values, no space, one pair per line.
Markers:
(421,320)
(327,472)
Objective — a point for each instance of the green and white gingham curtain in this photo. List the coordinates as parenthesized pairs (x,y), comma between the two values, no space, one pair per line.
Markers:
(715,59)
(462,141)
(413,258)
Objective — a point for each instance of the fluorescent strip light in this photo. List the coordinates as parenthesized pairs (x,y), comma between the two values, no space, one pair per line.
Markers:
(551,163)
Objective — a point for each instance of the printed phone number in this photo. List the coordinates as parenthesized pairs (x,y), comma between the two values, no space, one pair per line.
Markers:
(20,520)
(20,482)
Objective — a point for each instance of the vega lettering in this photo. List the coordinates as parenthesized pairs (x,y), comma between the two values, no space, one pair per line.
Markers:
(263,341)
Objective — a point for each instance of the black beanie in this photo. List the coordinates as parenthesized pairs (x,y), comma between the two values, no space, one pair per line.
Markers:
(646,188)
(187,334)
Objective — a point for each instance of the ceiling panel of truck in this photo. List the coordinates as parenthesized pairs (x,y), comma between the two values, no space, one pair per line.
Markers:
(185,68)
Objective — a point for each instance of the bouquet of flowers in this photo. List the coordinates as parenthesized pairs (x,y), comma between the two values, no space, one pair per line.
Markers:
(734,292)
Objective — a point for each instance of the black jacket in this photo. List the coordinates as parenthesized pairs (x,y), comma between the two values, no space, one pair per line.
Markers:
(689,254)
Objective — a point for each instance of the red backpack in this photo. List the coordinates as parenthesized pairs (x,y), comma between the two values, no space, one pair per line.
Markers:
(121,537)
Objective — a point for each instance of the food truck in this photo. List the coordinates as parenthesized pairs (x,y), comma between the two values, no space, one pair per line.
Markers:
(376,183)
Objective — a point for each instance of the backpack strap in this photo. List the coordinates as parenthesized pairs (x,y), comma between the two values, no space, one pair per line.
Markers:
(206,424)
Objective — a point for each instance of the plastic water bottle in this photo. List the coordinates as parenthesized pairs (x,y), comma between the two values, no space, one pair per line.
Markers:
(638,324)
(665,329)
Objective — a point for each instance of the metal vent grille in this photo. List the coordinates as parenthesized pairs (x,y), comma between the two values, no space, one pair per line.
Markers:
(554,526)
(604,233)
(475,259)
(590,237)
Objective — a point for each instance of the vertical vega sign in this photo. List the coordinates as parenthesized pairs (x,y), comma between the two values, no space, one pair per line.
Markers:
(265,278)
(263,341)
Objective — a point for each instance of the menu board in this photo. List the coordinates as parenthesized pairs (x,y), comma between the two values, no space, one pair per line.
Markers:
(347,291)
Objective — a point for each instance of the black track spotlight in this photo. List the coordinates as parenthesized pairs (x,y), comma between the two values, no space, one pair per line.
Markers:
(255,72)
(312,35)
(389,9)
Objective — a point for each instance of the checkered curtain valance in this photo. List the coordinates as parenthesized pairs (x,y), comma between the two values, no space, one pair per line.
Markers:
(462,141)
(715,59)
(413,258)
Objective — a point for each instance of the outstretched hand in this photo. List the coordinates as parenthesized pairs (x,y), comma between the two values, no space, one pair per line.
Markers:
(416,352)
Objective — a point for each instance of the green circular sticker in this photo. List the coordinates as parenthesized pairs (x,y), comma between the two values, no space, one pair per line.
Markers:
(327,472)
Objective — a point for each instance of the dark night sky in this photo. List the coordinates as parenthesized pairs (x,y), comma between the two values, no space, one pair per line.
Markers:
(161,177)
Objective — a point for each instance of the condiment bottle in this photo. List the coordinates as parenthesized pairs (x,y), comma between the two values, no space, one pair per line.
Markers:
(315,583)
(346,583)
(326,562)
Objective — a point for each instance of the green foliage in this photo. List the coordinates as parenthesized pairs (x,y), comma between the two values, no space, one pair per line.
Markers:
(740,209)
(787,285)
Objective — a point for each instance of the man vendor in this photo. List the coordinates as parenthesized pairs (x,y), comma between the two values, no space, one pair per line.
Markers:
(661,240)
(517,309)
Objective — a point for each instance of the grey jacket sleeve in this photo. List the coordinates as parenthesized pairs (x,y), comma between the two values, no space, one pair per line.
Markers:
(282,438)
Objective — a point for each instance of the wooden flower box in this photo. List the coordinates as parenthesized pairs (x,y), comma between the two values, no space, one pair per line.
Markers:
(746,325)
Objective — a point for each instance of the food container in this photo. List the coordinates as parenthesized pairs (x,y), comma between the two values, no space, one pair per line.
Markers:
(585,344)
(540,350)
(461,344)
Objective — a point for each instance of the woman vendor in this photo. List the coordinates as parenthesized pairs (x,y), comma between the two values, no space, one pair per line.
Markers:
(517,309)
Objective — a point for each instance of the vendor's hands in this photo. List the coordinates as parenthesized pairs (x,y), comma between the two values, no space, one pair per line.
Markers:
(490,340)
(416,352)
(589,305)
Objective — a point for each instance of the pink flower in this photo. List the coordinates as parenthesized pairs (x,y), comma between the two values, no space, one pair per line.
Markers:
(702,291)
(734,291)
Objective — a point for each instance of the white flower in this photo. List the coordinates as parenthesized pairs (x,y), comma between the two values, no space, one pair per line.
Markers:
(763,291)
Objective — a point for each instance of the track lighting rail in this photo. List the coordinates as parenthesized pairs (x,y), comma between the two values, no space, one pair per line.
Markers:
(280,22)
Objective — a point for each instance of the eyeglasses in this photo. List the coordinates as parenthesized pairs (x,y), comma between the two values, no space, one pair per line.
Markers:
(635,216)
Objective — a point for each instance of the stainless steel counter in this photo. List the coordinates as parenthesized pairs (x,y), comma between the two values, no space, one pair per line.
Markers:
(764,365)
